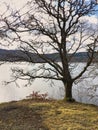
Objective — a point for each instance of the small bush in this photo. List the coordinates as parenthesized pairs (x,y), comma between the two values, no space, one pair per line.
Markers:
(37,96)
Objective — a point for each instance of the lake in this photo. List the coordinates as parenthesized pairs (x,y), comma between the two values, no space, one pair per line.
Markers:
(82,91)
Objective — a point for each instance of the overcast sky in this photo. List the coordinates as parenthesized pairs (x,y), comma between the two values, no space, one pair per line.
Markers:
(17,4)
(14,3)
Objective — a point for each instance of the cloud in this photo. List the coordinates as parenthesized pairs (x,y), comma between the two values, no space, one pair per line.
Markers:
(91,19)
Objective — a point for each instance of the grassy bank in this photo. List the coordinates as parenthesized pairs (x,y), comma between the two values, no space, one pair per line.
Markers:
(47,115)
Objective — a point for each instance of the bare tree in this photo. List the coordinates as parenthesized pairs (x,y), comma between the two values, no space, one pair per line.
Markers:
(55,26)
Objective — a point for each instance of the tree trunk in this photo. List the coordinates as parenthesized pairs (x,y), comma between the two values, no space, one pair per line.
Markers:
(68,91)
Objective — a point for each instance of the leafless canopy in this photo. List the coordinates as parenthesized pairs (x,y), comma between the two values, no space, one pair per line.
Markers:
(52,26)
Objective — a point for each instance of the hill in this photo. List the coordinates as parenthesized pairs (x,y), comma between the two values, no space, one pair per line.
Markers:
(18,55)
(48,115)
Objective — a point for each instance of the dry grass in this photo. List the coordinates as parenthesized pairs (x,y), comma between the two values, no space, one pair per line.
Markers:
(48,115)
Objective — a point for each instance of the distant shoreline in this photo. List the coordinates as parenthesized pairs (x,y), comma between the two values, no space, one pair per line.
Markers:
(23,56)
